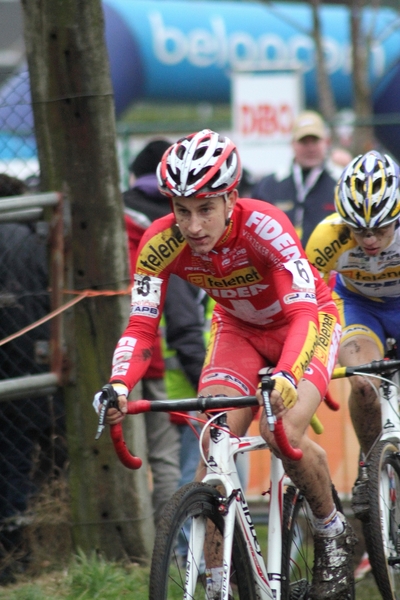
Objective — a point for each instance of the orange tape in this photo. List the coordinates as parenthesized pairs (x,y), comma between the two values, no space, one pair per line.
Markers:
(91,293)
(64,307)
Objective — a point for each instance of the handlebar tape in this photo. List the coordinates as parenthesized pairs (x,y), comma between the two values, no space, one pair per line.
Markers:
(375,367)
(139,406)
(316,425)
(128,460)
(283,443)
(124,455)
(331,402)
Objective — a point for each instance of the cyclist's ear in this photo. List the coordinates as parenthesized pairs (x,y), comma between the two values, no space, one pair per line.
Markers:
(230,201)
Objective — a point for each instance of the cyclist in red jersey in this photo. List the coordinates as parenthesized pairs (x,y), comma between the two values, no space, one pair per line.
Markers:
(272,309)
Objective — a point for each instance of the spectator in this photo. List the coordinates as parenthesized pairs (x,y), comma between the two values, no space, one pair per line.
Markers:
(305,190)
(31,429)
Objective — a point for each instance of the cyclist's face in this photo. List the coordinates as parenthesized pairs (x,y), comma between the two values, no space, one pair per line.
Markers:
(202,221)
(375,239)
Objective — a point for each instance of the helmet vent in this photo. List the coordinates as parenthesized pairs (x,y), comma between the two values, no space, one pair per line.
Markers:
(200,152)
(376,186)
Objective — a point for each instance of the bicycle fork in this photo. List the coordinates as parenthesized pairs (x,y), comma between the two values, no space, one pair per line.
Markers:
(275,526)
(389,410)
(235,507)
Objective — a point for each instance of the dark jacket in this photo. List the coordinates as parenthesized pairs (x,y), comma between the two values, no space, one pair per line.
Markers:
(281,191)
(24,298)
(145,197)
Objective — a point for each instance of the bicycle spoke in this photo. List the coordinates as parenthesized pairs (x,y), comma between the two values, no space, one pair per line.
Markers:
(382,531)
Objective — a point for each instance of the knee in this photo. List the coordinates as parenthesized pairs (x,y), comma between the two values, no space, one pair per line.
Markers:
(364,389)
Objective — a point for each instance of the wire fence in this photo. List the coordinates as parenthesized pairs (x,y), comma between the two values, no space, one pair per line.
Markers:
(32,418)
(33,450)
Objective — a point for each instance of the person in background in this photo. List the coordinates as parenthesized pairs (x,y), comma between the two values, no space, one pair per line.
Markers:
(270,306)
(182,343)
(304,189)
(360,243)
(32,429)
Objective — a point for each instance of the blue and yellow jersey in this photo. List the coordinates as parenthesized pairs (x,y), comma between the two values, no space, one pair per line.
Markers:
(332,249)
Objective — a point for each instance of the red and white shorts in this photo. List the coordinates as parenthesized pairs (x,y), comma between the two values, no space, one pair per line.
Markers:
(237,352)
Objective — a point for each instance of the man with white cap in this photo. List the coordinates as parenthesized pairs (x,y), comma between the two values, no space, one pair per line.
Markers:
(304,190)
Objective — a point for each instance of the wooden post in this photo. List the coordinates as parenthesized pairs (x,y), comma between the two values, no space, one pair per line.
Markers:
(74,118)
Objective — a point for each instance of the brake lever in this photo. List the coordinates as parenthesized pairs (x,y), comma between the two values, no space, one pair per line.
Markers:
(267,385)
(110,400)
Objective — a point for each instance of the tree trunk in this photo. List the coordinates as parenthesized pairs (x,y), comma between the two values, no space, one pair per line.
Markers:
(75,132)
(327,103)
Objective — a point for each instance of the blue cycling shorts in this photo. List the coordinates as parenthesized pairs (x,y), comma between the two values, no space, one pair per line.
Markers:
(377,319)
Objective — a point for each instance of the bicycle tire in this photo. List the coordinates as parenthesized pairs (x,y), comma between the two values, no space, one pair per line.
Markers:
(298,544)
(167,574)
(382,528)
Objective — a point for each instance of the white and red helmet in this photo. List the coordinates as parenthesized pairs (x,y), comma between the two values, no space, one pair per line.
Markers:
(203,164)
(367,194)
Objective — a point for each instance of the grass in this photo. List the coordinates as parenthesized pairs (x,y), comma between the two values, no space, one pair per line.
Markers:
(93,578)
(86,578)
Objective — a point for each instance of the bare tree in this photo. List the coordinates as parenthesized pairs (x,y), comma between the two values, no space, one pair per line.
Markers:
(73,107)
(325,94)
(363,36)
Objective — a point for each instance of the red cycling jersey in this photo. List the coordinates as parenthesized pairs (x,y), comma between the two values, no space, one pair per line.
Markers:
(258,274)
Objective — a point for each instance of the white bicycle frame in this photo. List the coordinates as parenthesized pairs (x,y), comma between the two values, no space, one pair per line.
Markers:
(390,416)
(221,471)
(388,394)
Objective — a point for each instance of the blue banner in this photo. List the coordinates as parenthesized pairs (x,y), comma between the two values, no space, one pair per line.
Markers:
(187,50)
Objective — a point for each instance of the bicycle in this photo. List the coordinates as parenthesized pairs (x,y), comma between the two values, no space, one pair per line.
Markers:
(379,473)
(217,506)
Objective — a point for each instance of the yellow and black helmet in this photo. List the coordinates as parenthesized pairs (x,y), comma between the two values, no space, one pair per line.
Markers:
(367,194)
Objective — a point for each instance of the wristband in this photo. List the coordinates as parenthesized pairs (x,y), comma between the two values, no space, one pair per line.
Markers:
(120,389)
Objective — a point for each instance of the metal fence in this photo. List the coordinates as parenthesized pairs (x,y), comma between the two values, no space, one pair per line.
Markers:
(33,451)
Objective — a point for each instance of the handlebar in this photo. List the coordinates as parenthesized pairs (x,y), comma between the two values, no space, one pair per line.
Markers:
(190,404)
(376,367)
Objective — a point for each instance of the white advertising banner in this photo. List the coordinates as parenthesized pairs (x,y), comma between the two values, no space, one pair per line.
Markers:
(264,106)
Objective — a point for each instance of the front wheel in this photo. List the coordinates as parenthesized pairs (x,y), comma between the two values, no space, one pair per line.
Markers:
(177,566)
(298,544)
(382,529)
